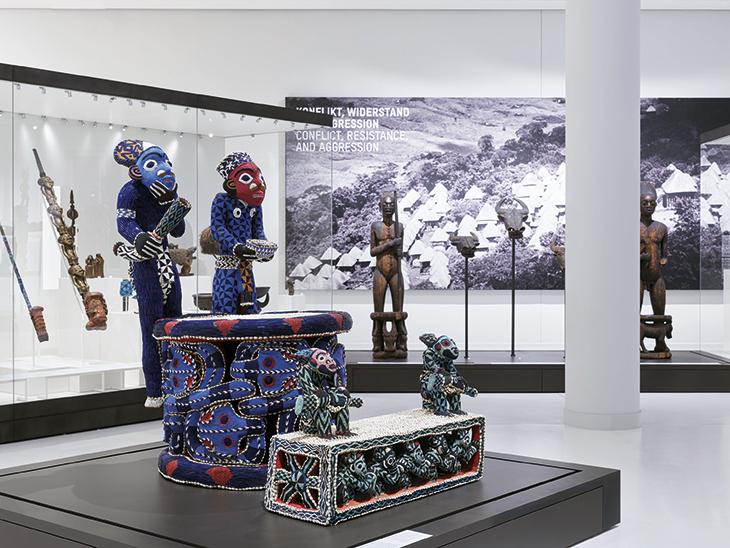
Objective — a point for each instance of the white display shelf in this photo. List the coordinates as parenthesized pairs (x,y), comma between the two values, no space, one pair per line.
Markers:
(55,377)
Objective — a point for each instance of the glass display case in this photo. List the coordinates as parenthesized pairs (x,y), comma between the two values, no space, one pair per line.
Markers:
(714,217)
(73,124)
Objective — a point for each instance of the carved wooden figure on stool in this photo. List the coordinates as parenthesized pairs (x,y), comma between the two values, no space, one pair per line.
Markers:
(386,244)
(653,249)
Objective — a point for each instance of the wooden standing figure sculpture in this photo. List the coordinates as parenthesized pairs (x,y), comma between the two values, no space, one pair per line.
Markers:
(386,244)
(653,249)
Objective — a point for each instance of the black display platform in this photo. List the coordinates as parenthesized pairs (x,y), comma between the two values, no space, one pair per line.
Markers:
(534,371)
(37,419)
(118,499)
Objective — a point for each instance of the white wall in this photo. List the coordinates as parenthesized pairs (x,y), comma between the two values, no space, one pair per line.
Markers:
(265,56)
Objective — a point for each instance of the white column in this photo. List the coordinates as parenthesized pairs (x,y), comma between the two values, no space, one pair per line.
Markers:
(602,214)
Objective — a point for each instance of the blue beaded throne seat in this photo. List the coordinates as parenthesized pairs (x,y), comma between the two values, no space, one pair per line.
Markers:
(230,384)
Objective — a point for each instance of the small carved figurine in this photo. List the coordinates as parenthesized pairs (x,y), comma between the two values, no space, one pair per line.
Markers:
(466,245)
(391,474)
(95,309)
(324,398)
(514,218)
(99,266)
(354,478)
(90,266)
(183,258)
(439,453)
(415,463)
(441,383)
(462,445)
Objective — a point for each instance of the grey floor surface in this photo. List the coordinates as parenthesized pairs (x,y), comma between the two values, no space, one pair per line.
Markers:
(675,468)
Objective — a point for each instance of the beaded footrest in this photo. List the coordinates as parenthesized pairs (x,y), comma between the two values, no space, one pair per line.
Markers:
(387,460)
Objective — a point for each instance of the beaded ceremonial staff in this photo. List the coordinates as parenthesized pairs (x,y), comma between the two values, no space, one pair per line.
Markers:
(36,312)
(174,214)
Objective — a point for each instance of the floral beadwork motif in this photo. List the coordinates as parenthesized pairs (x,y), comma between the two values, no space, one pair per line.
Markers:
(298,478)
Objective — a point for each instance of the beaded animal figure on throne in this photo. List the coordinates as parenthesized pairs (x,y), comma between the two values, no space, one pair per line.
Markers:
(237,224)
(441,384)
(148,209)
(324,397)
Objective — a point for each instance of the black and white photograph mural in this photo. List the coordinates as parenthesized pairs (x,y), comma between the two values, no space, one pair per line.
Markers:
(451,161)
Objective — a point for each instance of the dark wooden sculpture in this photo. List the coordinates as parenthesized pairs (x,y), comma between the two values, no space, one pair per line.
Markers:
(89,270)
(98,266)
(183,257)
(559,252)
(653,250)
(513,218)
(467,246)
(386,244)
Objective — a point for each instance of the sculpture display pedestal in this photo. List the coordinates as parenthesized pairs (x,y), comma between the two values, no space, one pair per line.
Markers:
(308,475)
(390,343)
(658,328)
(230,383)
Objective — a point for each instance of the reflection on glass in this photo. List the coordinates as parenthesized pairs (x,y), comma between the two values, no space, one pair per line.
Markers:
(714,218)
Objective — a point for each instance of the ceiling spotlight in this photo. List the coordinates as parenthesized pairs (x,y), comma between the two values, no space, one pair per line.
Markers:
(111,126)
(124,128)
(276,122)
(164,132)
(44,118)
(306,126)
(200,137)
(68,93)
(142,104)
(94,97)
(1,112)
(202,112)
(187,109)
(22,116)
(242,117)
(94,124)
(129,102)
(64,121)
(82,123)
(164,106)
(43,90)
(112,99)
(17,86)
(253,136)
(145,130)
(223,115)
(258,120)
(209,135)
(181,135)
(292,124)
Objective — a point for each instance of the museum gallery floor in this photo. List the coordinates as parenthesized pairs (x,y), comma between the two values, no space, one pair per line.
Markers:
(673,485)
(117,499)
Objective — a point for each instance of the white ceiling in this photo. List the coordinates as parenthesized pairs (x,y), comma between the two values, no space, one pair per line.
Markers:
(344,4)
